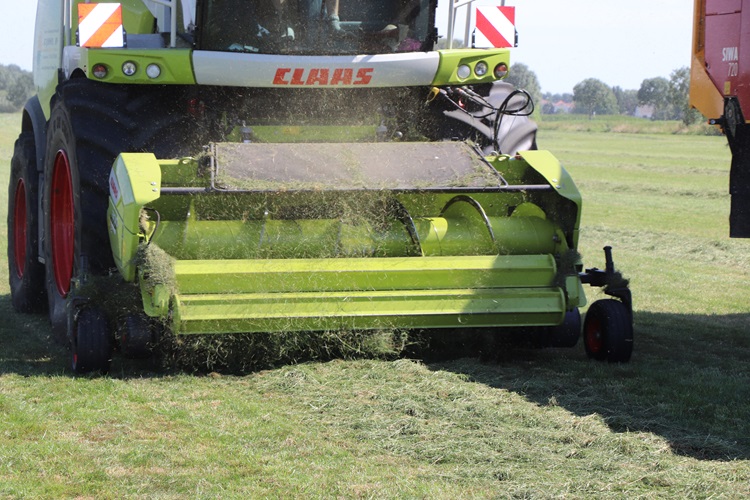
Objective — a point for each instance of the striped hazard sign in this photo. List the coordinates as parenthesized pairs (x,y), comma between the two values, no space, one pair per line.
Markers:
(496,26)
(100,25)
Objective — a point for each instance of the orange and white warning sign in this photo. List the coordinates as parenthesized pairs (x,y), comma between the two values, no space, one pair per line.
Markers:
(100,25)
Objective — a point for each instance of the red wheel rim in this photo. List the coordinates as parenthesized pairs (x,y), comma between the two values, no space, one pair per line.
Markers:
(62,223)
(594,337)
(19,228)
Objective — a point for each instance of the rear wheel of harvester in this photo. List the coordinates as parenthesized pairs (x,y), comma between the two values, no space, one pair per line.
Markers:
(90,124)
(73,213)
(608,332)
(26,273)
(90,343)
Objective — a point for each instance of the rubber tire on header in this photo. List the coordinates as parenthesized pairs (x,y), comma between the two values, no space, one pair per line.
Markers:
(136,337)
(608,332)
(567,333)
(26,273)
(91,342)
(90,124)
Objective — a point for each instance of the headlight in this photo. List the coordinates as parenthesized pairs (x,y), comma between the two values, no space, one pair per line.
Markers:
(129,68)
(153,71)
(463,72)
(480,69)
(501,70)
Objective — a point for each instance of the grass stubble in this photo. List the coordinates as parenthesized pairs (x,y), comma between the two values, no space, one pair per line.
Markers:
(521,423)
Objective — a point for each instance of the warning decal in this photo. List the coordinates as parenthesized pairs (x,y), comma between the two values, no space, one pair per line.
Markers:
(495,26)
(100,25)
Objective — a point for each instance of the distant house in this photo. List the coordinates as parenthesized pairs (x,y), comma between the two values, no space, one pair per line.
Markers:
(644,111)
(563,107)
(553,108)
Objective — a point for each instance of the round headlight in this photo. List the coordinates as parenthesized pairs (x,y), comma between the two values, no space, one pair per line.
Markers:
(463,71)
(99,70)
(501,70)
(129,68)
(153,71)
(481,68)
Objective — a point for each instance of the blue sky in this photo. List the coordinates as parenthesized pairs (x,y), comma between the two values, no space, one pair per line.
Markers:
(563,42)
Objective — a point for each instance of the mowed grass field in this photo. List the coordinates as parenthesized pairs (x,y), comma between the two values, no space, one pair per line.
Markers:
(673,423)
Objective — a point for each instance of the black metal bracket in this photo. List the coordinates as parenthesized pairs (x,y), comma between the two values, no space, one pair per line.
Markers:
(611,280)
(75,302)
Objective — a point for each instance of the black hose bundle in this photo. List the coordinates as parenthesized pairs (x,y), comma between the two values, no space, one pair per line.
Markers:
(524,107)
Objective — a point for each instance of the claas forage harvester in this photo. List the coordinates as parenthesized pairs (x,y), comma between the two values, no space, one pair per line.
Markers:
(258,166)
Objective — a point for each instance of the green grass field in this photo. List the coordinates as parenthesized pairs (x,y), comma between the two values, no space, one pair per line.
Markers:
(673,423)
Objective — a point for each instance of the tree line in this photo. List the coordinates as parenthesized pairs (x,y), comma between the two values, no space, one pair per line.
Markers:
(667,98)
(16,86)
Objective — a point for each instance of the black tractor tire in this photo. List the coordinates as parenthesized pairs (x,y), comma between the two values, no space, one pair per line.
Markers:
(26,273)
(91,341)
(608,332)
(91,123)
(516,133)
(75,204)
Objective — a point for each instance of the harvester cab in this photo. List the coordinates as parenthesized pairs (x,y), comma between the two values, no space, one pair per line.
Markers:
(316,27)
(227,166)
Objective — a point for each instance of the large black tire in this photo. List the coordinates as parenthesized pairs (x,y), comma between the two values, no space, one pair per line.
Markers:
(75,204)
(516,133)
(91,123)
(91,341)
(608,332)
(26,273)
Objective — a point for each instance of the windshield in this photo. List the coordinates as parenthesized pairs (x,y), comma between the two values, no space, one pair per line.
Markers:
(324,27)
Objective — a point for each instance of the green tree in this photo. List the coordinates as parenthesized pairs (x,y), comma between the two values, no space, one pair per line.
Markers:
(627,100)
(593,96)
(656,92)
(670,98)
(16,85)
(548,108)
(4,75)
(20,90)
(679,91)
(565,97)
